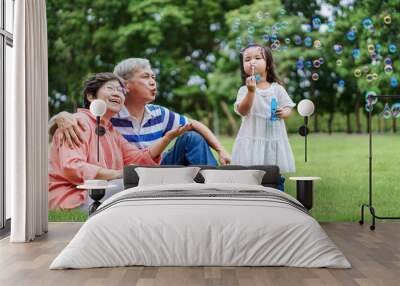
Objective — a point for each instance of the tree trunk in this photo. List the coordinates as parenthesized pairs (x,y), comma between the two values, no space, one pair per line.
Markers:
(348,123)
(358,117)
(232,122)
(379,124)
(316,122)
(330,122)
(394,125)
(384,124)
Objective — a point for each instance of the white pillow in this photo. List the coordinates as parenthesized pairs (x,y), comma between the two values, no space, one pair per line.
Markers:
(249,177)
(166,176)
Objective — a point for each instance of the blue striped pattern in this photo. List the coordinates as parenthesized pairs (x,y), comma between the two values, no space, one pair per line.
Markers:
(156,122)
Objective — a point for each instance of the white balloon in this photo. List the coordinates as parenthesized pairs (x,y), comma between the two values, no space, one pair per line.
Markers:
(98,107)
(305,107)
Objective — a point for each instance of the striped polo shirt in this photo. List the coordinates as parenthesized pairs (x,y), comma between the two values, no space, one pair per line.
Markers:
(157,121)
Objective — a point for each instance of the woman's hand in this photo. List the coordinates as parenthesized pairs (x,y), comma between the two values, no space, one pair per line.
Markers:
(70,128)
(108,174)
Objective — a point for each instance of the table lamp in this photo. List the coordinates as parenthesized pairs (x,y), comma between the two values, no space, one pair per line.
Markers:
(98,108)
(305,109)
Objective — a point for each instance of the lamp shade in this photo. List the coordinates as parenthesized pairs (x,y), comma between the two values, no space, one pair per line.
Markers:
(305,107)
(98,107)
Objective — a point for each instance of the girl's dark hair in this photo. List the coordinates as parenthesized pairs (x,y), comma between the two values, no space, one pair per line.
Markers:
(270,67)
(95,82)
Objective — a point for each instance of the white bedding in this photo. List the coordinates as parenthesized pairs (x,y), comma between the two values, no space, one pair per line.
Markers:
(183,231)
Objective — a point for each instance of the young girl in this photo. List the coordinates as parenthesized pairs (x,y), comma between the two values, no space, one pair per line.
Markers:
(262,138)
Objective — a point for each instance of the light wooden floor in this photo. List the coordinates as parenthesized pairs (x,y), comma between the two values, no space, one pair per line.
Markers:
(375,257)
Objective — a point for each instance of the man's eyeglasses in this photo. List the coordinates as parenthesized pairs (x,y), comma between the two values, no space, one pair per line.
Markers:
(111,89)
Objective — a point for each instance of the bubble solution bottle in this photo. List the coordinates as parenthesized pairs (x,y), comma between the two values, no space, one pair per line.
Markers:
(274,107)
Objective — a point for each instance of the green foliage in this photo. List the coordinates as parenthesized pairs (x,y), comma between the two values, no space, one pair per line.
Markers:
(194,49)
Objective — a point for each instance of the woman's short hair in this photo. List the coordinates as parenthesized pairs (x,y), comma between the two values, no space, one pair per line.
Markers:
(128,67)
(95,82)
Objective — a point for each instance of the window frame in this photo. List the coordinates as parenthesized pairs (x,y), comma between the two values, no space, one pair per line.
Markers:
(6,39)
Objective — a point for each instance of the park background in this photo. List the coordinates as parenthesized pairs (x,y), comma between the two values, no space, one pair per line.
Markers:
(331,52)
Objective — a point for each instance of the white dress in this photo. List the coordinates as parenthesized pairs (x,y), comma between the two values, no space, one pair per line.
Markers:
(261,141)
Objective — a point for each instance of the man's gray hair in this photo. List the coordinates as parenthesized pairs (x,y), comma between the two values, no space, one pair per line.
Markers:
(128,67)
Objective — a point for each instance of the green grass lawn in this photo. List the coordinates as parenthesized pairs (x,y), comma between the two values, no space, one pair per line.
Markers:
(341,161)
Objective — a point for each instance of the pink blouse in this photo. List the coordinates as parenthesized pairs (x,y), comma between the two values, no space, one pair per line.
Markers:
(69,167)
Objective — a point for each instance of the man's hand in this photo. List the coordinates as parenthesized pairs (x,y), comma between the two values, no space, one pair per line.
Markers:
(70,128)
(224,157)
(172,134)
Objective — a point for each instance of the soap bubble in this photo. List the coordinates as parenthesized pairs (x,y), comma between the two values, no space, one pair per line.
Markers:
(387,19)
(388,69)
(365,69)
(307,28)
(374,56)
(287,41)
(308,42)
(321,60)
(317,44)
(370,97)
(370,77)
(393,82)
(388,61)
(331,26)
(265,38)
(339,62)
(297,40)
(357,72)
(300,64)
(282,12)
(341,83)
(367,23)
(260,15)
(371,48)
(386,113)
(251,30)
(316,22)
(395,110)
(308,64)
(338,49)
(351,35)
(378,47)
(238,43)
(316,64)
(392,48)
(235,25)
(315,76)
(375,75)
(355,53)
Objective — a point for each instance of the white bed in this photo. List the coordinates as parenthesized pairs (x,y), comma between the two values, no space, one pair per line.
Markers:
(224,225)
